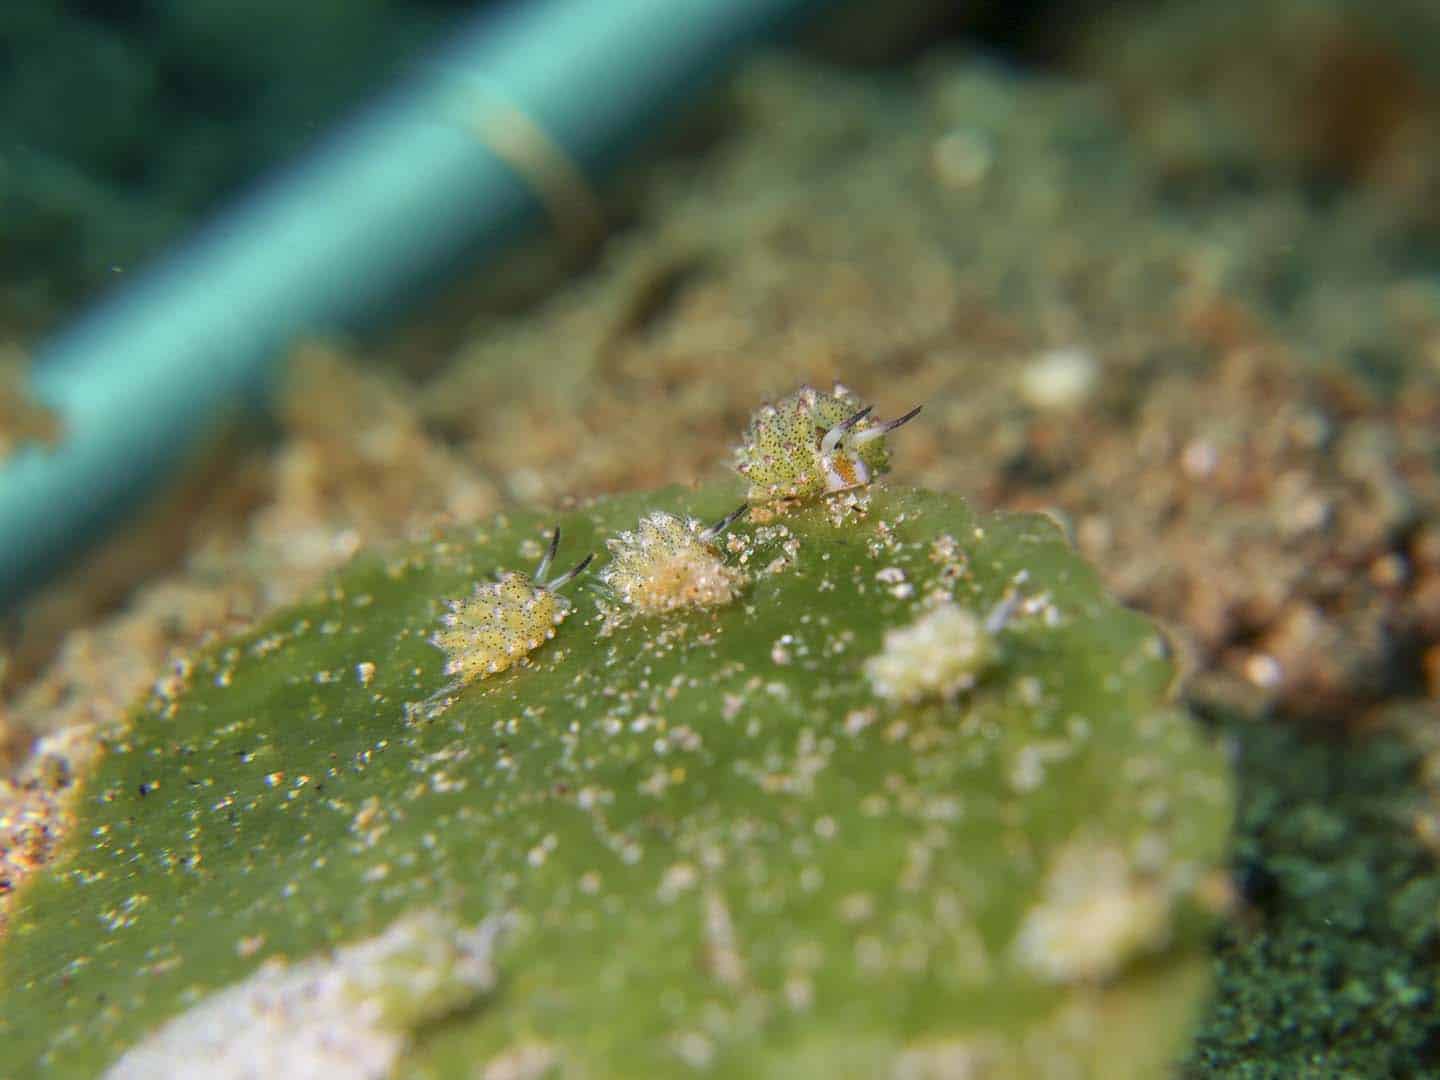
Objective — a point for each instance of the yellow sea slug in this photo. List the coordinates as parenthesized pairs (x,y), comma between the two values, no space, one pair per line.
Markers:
(503,621)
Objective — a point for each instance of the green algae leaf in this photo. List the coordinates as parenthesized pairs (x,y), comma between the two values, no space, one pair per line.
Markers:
(712,844)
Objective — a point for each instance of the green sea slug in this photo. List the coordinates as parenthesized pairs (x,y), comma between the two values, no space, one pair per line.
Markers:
(813,443)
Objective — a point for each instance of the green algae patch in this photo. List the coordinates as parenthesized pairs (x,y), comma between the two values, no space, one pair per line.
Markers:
(711,844)
(1332,972)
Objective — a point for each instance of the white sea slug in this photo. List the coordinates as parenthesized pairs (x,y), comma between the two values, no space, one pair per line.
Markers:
(939,655)
(813,443)
(503,621)
(1097,915)
(352,1012)
(669,562)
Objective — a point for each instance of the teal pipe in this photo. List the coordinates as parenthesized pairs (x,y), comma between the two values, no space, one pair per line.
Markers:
(415,185)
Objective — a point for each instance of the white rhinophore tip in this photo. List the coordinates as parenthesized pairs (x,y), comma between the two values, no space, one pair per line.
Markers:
(879,430)
(840,430)
(724,523)
(569,575)
(539,576)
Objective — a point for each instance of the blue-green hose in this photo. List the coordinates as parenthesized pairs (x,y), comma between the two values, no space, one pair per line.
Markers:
(412,186)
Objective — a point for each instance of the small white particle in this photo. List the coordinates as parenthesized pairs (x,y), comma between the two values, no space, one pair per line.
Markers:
(677,879)
(1198,459)
(1060,379)
(1264,671)
(799,992)
(695,1050)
